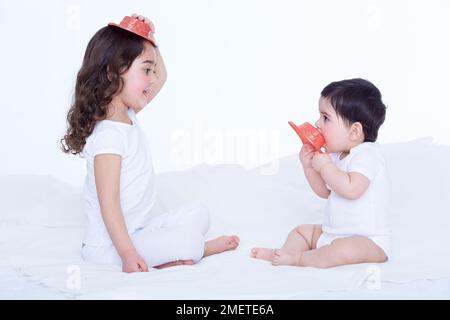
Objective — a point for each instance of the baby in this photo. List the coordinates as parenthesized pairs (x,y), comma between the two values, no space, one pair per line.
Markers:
(352,176)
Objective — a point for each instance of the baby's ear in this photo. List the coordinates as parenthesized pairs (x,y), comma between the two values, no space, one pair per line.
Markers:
(356,131)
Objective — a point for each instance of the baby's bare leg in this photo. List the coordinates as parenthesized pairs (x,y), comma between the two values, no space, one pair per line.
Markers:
(300,239)
(342,251)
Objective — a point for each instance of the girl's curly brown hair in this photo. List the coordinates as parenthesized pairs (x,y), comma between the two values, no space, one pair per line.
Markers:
(109,54)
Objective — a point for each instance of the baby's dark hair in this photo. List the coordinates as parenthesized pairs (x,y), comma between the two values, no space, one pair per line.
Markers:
(357,100)
(109,54)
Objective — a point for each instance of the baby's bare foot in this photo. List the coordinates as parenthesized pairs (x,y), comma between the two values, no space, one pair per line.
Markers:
(262,253)
(281,258)
(221,244)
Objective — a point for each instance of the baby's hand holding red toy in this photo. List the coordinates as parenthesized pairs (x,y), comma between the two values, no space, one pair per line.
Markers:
(306,154)
(320,160)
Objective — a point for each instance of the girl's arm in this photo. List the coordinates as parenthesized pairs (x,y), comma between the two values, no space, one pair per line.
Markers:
(160,74)
(160,77)
(315,180)
(160,67)
(107,181)
(350,185)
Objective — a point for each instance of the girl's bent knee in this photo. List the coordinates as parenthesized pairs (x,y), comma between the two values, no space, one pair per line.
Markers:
(200,215)
(192,246)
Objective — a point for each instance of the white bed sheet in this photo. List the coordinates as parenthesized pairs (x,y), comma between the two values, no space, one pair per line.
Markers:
(41,229)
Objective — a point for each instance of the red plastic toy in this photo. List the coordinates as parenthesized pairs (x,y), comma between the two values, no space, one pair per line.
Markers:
(309,135)
(136,26)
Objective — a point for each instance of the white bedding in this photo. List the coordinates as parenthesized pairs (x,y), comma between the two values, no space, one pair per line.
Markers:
(41,229)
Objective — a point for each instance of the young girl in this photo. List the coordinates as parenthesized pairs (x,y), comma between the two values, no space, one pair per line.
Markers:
(351,175)
(122,71)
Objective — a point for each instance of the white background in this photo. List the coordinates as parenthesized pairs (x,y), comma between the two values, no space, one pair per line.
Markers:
(238,70)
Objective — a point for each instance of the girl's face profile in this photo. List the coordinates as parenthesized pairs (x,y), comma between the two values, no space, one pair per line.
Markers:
(139,79)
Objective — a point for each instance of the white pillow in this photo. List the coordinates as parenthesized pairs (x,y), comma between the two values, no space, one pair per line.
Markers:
(39,200)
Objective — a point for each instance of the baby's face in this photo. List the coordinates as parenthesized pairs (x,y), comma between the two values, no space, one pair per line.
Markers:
(334,129)
(140,79)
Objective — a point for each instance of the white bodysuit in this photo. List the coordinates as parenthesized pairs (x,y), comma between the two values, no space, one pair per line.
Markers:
(367,215)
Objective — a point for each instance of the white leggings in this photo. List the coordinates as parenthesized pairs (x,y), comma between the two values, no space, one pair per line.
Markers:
(175,235)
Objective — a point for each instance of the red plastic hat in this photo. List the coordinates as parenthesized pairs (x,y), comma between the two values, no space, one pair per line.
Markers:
(136,26)
(309,134)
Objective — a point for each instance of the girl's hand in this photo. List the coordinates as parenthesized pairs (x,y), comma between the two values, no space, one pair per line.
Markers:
(133,262)
(306,154)
(146,20)
(320,160)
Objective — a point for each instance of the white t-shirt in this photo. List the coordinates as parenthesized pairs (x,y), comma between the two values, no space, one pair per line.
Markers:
(367,215)
(137,185)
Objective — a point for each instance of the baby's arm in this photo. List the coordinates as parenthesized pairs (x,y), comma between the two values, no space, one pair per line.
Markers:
(314,178)
(107,181)
(350,185)
(316,182)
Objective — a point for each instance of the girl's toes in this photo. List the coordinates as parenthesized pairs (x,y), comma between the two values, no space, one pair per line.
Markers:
(232,245)
(233,241)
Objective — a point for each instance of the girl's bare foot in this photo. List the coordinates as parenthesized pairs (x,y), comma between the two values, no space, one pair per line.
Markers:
(263,253)
(174,263)
(282,258)
(220,244)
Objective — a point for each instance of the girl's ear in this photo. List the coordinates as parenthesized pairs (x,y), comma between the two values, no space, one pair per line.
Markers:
(356,132)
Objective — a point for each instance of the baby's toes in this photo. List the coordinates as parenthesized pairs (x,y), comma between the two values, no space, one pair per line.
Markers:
(275,260)
(277,254)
